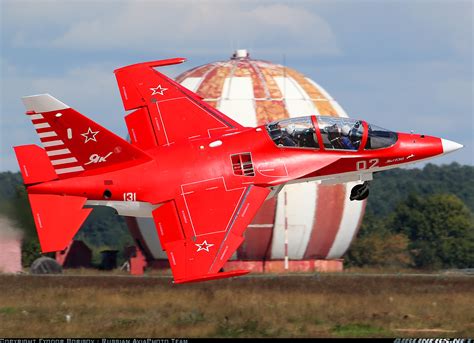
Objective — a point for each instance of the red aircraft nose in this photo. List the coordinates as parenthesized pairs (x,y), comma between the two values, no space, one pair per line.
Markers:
(420,147)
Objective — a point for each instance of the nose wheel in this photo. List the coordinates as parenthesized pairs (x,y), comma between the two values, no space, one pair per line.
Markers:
(360,192)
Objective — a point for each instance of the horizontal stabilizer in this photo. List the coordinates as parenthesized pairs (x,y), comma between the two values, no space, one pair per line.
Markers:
(57,219)
(34,163)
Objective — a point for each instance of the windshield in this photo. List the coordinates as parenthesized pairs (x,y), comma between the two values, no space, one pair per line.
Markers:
(295,132)
(340,133)
(380,138)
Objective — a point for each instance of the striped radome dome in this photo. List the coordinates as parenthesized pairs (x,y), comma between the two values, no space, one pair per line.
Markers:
(322,221)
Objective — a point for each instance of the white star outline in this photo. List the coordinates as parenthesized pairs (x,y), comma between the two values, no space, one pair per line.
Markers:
(90,135)
(158,90)
(204,246)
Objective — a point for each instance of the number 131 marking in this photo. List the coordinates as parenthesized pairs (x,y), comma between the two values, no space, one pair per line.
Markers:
(129,196)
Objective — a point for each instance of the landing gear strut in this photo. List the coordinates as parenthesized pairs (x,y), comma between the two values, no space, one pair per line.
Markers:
(360,192)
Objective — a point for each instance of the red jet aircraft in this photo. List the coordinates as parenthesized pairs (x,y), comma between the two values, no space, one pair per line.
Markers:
(200,175)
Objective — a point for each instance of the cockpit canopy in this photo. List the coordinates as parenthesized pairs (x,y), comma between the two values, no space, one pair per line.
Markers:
(380,138)
(294,132)
(341,133)
(336,133)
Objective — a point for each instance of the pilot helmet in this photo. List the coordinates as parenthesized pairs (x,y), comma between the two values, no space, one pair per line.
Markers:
(346,129)
(290,129)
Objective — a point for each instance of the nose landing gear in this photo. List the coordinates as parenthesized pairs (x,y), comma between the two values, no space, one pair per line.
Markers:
(360,192)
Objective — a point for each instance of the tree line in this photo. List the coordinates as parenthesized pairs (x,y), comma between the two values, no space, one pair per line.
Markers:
(414,218)
(421,218)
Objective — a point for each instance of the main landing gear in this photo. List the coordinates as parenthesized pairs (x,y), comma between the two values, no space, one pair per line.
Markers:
(360,192)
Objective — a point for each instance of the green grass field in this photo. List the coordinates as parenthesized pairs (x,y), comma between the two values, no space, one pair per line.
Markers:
(324,305)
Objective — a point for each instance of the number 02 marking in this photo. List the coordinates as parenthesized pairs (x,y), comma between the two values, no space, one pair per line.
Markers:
(129,196)
(362,165)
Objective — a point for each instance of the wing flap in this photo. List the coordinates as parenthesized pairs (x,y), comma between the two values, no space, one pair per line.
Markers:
(140,129)
(248,207)
(167,224)
(203,228)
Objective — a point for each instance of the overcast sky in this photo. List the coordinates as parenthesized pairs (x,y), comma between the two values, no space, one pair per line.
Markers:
(404,65)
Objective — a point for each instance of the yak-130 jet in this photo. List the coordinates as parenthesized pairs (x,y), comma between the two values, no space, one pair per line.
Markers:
(199,174)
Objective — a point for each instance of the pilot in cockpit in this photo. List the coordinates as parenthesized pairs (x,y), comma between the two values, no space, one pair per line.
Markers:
(346,139)
(291,135)
(288,138)
(349,138)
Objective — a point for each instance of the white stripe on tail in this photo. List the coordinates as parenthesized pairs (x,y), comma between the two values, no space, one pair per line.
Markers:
(73,142)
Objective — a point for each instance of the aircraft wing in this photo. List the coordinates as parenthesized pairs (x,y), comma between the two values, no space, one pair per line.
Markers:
(165,112)
(203,227)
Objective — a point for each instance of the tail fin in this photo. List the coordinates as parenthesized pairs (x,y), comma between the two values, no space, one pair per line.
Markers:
(75,144)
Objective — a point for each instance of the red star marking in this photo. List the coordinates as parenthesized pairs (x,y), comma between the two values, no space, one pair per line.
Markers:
(204,246)
(90,135)
(158,90)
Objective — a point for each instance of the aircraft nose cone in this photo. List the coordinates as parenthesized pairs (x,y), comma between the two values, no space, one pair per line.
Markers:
(450,146)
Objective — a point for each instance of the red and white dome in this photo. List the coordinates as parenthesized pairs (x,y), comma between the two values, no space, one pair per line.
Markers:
(322,221)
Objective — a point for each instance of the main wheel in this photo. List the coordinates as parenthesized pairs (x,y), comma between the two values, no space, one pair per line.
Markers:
(359,192)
